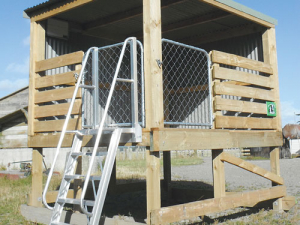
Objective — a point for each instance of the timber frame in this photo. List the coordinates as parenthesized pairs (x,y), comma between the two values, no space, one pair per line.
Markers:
(227,131)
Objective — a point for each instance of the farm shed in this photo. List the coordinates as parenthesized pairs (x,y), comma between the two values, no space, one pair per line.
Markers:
(194,74)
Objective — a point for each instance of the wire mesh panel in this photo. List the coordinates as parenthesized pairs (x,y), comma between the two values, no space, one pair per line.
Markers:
(100,70)
(187,89)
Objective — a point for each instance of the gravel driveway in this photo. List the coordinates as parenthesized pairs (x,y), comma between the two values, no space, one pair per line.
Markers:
(237,178)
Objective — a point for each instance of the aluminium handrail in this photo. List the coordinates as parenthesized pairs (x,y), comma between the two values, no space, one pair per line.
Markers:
(100,129)
(64,129)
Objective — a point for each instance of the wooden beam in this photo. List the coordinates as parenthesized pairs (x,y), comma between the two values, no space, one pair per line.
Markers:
(238,13)
(125,15)
(56,62)
(56,94)
(218,174)
(153,72)
(57,79)
(181,212)
(181,139)
(251,168)
(239,61)
(270,57)
(58,8)
(239,106)
(222,34)
(288,202)
(35,198)
(248,92)
(152,182)
(37,52)
(235,75)
(245,122)
(57,109)
(55,125)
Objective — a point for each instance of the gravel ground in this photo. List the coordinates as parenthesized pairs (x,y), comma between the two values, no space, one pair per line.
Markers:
(237,178)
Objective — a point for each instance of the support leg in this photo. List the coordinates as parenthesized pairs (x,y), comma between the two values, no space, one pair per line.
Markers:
(274,160)
(153,182)
(218,174)
(167,169)
(35,197)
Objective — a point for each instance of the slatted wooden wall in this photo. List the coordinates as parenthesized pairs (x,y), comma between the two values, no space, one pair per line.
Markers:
(253,90)
(53,94)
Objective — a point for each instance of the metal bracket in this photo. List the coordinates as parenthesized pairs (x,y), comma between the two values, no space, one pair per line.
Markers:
(76,75)
(159,63)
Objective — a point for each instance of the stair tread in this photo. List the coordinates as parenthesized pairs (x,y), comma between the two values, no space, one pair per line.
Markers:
(80,176)
(75,201)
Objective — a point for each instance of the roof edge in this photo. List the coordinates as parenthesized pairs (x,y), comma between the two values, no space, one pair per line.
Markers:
(13,93)
(248,10)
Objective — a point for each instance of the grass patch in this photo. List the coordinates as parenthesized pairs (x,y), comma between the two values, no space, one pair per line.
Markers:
(13,193)
(254,158)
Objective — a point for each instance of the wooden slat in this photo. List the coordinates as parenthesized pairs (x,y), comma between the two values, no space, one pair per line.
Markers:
(55,125)
(176,213)
(64,60)
(245,122)
(248,92)
(57,109)
(239,106)
(239,61)
(240,76)
(252,168)
(56,94)
(182,139)
(57,9)
(57,79)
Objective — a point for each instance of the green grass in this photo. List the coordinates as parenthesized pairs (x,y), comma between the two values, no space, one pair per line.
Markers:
(254,158)
(13,193)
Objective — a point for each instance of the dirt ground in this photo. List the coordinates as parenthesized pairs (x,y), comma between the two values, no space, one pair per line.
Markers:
(132,206)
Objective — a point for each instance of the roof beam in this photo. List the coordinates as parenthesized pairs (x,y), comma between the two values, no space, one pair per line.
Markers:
(223,34)
(238,12)
(190,22)
(138,11)
(58,8)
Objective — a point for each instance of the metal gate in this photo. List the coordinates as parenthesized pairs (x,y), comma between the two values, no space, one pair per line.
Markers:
(102,63)
(187,88)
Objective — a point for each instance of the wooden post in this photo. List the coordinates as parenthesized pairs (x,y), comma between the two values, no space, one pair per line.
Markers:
(218,174)
(270,56)
(167,169)
(153,182)
(37,52)
(35,197)
(153,95)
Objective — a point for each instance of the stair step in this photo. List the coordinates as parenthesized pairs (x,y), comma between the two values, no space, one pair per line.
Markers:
(79,176)
(87,86)
(74,154)
(75,201)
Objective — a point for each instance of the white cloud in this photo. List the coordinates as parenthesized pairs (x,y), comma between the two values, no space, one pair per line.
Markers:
(13,85)
(288,110)
(26,41)
(19,67)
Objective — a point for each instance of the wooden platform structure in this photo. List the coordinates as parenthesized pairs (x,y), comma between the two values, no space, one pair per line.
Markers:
(203,23)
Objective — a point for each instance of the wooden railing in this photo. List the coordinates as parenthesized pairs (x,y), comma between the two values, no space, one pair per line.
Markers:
(52,94)
(246,87)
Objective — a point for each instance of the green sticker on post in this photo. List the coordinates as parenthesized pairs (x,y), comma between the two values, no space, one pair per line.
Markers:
(271,108)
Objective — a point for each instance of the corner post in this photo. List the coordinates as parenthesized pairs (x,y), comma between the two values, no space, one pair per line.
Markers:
(270,56)
(35,197)
(153,96)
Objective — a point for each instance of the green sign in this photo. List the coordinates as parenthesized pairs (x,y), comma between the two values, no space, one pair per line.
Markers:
(271,108)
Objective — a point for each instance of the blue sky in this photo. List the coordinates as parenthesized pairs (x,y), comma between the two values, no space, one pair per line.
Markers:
(14,43)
